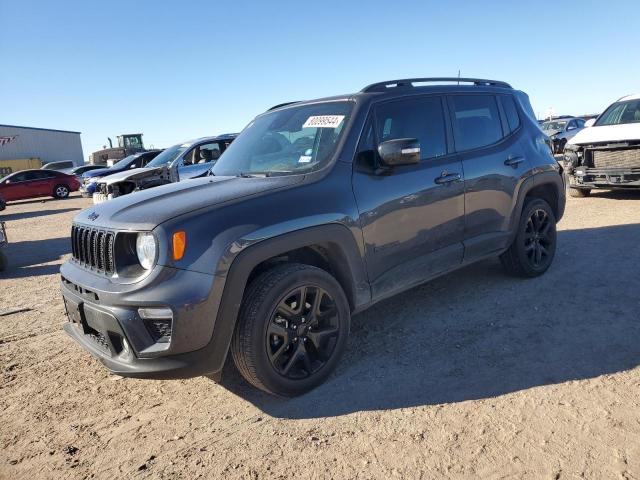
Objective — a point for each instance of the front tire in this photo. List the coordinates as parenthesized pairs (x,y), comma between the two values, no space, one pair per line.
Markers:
(3,261)
(61,191)
(292,329)
(534,247)
(3,204)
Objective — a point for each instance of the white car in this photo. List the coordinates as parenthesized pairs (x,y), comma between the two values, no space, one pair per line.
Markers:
(607,154)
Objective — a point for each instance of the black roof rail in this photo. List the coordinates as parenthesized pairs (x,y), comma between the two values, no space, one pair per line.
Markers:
(408,82)
(282,105)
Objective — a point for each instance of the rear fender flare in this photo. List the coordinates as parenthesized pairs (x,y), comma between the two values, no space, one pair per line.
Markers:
(543,178)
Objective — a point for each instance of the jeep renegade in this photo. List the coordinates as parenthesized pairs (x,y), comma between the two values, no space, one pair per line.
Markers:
(316,211)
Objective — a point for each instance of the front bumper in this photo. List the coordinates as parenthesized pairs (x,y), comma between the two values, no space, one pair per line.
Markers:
(608,178)
(87,190)
(104,320)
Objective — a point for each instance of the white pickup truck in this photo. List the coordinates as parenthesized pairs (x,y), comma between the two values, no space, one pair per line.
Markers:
(606,154)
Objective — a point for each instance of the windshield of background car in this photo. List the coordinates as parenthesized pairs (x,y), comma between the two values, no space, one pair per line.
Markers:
(620,113)
(123,161)
(555,126)
(288,141)
(168,156)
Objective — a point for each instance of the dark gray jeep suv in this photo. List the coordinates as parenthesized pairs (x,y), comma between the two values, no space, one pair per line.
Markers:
(316,211)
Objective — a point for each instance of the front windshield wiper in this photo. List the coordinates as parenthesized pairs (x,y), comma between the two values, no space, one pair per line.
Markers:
(270,173)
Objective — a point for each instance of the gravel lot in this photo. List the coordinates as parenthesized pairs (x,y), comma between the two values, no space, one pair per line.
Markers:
(474,375)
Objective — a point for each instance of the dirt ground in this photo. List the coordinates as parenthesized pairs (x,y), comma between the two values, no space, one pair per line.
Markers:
(474,375)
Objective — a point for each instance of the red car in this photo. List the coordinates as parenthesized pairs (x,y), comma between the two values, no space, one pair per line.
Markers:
(36,183)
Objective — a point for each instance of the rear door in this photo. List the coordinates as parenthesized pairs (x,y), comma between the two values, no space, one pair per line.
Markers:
(486,132)
(412,216)
(43,182)
(15,188)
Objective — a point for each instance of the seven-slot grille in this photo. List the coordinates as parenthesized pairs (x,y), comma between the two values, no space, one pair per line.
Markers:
(93,248)
(621,158)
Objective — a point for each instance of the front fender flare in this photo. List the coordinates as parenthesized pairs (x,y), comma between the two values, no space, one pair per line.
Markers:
(242,264)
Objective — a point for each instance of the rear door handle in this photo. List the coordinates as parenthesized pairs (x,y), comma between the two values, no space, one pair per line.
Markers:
(513,161)
(447,178)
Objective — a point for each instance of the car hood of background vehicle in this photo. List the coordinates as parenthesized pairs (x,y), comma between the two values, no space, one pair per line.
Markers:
(98,172)
(125,175)
(607,133)
(146,209)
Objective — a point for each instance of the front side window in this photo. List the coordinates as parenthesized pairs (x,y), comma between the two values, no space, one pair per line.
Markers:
(204,153)
(292,140)
(18,177)
(620,113)
(476,121)
(419,118)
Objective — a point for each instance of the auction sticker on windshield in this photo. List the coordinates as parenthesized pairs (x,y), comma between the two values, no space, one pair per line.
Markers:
(323,121)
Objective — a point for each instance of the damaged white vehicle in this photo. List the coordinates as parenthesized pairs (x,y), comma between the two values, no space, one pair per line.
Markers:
(183,161)
(607,154)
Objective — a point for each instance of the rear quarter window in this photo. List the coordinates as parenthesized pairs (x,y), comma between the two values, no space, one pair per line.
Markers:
(510,111)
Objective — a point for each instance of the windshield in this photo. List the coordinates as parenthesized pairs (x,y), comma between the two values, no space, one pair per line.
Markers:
(292,140)
(168,156)
(548,126)
(123,161)
(620,112)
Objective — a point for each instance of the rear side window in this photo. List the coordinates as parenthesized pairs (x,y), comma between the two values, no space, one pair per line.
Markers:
(420,118)
(476,121)
(510,111)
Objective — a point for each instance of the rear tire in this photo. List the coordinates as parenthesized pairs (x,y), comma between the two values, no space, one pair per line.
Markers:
(292,329)
(60,191)
(3,204)
(534,247)
(3,261)
(579,192)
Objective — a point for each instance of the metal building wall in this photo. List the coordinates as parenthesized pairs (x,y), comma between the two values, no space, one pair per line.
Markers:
(48,145)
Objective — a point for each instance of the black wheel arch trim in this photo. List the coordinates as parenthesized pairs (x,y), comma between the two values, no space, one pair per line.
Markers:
(552,178)
(352,272)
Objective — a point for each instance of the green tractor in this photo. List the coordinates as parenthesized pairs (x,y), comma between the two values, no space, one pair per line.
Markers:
(128,144)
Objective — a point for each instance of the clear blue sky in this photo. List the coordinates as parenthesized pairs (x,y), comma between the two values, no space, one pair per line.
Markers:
(179,70)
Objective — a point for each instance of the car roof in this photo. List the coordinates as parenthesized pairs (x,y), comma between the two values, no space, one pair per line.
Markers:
(635,96)
(36,170)
(410,86)
(563,119)
(224,136)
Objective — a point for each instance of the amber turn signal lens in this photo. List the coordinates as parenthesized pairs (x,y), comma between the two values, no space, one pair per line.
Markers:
(179,244)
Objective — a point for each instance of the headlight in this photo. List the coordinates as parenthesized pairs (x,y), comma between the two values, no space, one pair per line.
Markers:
(147,249)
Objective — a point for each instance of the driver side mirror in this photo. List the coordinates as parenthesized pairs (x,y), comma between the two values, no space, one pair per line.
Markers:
(590,122)
(400,151)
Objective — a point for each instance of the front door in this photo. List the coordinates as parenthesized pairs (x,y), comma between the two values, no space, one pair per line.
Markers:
(17,187)
(412,216)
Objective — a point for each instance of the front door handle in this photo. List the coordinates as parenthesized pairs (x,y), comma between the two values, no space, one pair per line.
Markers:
(446,178)
(513,161)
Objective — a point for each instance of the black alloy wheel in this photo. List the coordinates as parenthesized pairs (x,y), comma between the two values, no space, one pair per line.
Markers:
(292,329)
(303,332)
(534,246)
(538,238)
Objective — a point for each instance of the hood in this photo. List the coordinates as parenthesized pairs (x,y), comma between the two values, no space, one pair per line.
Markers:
(98,172)
(125,175)
(146,209)
(607,133)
